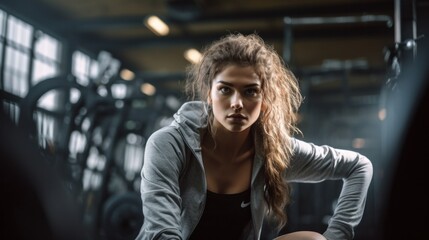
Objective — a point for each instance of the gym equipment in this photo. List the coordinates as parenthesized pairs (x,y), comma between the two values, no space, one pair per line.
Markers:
(99,140)
(122,216)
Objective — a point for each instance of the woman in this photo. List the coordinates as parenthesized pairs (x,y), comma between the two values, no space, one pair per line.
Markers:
(226,160)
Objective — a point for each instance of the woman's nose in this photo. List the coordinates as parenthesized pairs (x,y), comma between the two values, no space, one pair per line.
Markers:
(236,102)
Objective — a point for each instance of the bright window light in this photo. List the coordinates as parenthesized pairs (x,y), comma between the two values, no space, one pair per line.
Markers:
(157,26)
(119,90)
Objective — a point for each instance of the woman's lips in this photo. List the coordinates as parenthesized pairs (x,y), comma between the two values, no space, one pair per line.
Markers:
(237,116)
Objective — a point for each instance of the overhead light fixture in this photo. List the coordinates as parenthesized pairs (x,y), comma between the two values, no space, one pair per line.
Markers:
(148,89)
(358,143)
(382,114)
(127,74)
(193,55)
(157,26)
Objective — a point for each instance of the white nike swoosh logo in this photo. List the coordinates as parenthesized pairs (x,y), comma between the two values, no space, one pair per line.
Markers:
(244,205)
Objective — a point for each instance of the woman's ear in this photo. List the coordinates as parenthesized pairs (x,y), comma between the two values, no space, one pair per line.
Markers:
(263,107)
(209,99)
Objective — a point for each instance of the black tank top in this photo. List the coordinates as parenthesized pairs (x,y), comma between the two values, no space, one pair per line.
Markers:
(224,216)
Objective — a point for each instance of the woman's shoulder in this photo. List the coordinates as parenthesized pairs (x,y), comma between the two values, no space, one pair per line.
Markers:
(165,133)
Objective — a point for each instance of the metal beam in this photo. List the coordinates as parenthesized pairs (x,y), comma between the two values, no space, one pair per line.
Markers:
(354,8)
(346,31)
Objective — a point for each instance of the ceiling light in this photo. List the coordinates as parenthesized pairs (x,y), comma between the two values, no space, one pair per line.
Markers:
(382,114)
(148,89)
(193,55)
(358,143)
(157,26)
(127,74)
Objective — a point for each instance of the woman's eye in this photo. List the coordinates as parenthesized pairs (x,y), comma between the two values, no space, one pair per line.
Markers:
(252,92)
(224,90)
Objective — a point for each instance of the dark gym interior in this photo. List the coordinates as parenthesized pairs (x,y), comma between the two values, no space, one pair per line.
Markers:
(84,83)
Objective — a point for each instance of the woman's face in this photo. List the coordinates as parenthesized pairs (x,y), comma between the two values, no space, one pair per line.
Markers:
(236,98)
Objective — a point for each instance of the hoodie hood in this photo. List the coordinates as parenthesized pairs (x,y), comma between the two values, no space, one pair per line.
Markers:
(190,120)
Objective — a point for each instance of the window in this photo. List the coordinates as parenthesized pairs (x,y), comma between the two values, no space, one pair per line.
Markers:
(46,57)
(17,58)
(46,64)
(2,36)
(83,68)
(28,56)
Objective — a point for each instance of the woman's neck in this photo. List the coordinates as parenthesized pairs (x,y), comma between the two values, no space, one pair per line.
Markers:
(228,145)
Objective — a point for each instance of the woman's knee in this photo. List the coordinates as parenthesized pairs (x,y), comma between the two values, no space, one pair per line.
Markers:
(301,235)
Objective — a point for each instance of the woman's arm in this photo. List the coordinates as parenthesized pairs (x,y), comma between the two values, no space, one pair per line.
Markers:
(163,161)
(312,163)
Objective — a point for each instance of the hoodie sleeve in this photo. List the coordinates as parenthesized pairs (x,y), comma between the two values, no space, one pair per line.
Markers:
(312,163)
(163,161)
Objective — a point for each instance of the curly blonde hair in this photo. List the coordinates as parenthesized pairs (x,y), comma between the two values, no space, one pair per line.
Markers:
(281,96)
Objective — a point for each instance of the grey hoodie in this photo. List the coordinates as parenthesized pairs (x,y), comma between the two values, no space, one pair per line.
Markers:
(173,186)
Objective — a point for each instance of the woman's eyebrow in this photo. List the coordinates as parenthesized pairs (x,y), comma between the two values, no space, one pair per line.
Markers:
(230,84)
